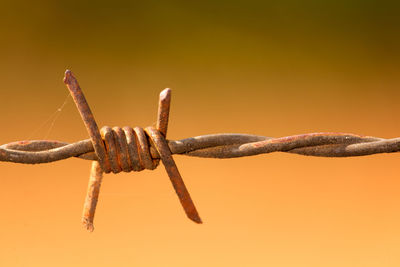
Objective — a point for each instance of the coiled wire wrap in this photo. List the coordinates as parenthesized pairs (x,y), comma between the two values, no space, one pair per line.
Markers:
(127,150)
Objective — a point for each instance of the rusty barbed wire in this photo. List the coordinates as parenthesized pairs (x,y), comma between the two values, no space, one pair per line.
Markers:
(134,149)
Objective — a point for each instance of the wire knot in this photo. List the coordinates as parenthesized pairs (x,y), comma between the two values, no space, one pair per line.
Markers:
(127,150)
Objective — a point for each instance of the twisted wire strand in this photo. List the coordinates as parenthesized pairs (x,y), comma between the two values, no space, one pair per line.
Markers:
(135,149)
(213,146)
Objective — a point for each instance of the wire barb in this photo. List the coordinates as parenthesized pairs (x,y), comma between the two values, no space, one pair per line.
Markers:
(127,150)
(92,196)
(134,149)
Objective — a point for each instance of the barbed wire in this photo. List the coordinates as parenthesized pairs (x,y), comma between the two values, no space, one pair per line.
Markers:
(134,149)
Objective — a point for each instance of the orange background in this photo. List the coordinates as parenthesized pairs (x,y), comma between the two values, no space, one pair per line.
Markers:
(268,68)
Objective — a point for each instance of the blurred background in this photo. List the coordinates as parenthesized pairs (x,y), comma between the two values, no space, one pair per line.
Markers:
(272,68)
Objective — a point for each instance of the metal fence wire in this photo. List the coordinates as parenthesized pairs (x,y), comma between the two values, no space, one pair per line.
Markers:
(134,149)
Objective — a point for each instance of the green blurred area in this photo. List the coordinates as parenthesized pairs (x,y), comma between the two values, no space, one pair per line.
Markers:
(281,37)
(308,63)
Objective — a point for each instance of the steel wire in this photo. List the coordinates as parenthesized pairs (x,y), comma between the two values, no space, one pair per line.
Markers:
(134,149)
(224,145)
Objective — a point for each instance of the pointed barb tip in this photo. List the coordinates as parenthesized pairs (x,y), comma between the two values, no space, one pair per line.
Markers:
(68,76)
(195,218)
(165,94)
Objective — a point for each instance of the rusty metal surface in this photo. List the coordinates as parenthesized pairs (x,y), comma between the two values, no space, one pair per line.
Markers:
(135,149)
(176,179)
(88,119)
(92,196)
(208,146)
(164,104)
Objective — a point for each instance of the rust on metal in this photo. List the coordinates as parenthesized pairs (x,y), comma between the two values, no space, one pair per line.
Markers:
(87,117)
(163,111)
(134,149)
(92,196)
(173,173)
